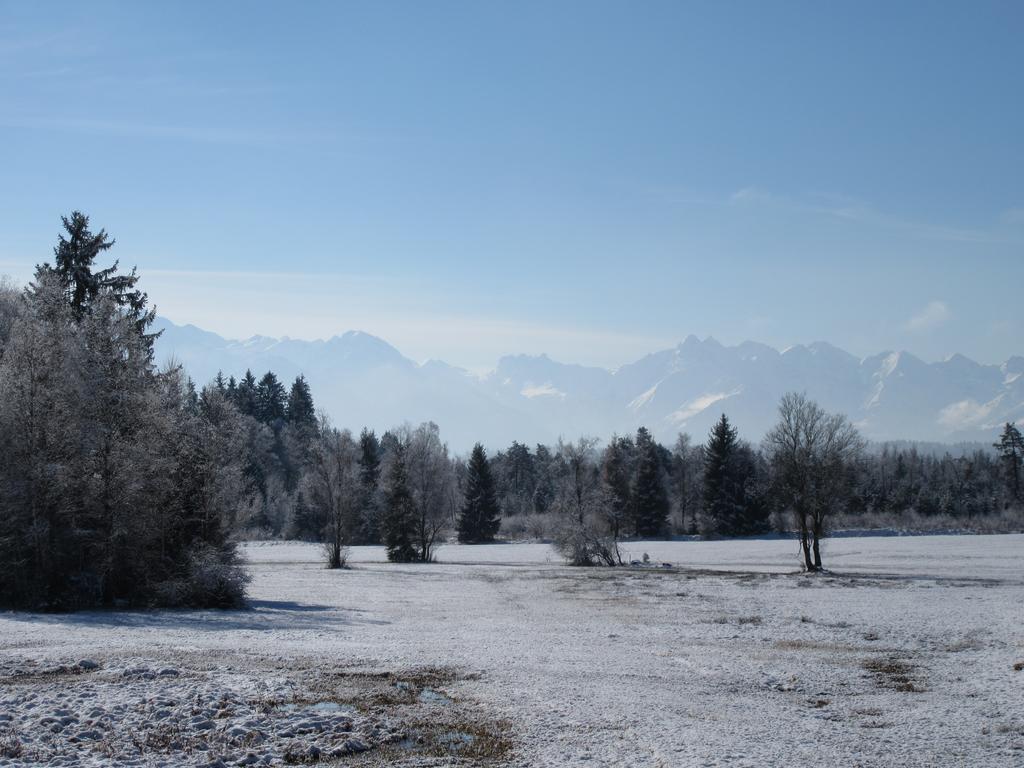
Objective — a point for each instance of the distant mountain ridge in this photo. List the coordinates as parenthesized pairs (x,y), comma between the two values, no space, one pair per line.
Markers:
(361,380)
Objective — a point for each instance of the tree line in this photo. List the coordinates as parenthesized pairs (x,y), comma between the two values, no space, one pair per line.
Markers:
(124,484)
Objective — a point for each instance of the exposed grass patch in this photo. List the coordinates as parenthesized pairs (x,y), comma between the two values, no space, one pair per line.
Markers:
(363,690)
(816,645)
(741,620)
(894,674)
(469,739)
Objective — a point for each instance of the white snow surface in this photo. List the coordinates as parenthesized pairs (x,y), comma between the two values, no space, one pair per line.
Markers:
(903,654)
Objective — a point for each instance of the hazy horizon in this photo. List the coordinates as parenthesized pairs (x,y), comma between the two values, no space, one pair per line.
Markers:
(581,180)
(514,353)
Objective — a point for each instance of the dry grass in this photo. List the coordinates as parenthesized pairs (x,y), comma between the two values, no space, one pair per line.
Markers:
(817,645)
(893,673)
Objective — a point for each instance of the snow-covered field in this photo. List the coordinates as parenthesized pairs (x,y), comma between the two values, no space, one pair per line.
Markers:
(903,655)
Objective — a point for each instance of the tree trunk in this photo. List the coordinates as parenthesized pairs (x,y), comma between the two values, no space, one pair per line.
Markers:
(805,546)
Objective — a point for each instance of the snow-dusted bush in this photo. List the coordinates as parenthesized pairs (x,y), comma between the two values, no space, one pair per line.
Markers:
(213,579)
(586,544)
(336,556)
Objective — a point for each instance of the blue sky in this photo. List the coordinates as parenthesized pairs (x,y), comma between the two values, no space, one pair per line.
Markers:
(593,180)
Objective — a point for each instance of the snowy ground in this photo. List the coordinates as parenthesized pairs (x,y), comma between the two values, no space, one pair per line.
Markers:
(904,655)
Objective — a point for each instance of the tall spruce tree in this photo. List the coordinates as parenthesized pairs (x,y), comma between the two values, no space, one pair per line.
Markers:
(245,394)
(480,516)
(300,410)
(1011,453)
(74,263)
(399,511)
(722,495)
(270,399)
(650,497)
(368,531)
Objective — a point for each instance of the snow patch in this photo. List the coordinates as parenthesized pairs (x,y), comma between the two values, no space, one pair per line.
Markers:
(889,364)
(641,400)
(964,414)
(691,408)
(544,390)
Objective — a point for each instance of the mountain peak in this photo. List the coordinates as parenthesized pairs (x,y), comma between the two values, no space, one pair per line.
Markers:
(361,380)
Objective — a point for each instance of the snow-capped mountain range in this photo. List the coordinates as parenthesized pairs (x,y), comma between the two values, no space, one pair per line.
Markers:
(361,380)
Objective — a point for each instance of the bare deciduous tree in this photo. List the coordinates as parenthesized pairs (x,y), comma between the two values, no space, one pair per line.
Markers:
(584,536)
(810,451)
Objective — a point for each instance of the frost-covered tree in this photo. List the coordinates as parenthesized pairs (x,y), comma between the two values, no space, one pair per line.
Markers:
(331,486)
(104,460)
(39,439)
(687,469)
(584,536)
(430,479)
(10,309)
(811,453)
(480,515)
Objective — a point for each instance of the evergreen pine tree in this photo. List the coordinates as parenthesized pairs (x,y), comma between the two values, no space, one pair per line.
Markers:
(245,394)
(398,518)
(480,516)
(191,396)
(74,257)
(270,399)
(368,531)
(650,497)
(300,409)
(720,493)
(1011,452)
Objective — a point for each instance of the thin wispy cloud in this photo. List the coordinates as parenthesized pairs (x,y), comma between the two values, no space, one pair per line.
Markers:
(934,314)
(130,129)
(864,214)
(416,319)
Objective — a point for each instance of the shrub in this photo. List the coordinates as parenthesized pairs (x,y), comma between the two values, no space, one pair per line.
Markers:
(213,579)
(582,544)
